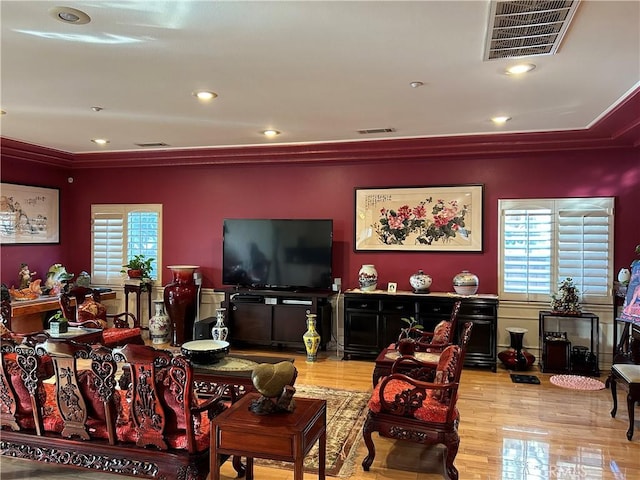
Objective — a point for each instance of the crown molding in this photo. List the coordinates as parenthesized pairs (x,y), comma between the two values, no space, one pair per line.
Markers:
(619,129)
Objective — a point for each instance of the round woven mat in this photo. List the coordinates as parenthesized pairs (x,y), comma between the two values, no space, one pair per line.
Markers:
(576,382)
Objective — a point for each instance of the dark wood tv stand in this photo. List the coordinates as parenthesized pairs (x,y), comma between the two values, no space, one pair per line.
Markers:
(276,317)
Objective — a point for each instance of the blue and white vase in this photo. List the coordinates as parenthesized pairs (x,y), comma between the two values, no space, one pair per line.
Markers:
(220,331)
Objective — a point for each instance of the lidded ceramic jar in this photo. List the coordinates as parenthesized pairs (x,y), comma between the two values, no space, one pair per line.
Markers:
(624,275)
(368,277)
(466,283)
(420,282)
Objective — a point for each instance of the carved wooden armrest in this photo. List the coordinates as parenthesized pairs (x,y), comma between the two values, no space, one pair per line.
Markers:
(86,324)
(406,394)
(213,406)
(121,320)
(412,367)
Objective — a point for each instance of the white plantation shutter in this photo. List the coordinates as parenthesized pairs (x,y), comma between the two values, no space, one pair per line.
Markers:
(117,233)
(544,241)
(584,244)
(107,248)
(527,251)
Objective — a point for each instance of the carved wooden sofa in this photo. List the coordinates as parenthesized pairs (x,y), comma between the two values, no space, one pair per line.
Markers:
(156,428)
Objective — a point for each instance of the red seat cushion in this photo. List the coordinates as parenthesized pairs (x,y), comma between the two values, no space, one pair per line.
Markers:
(431,410)
(120,336)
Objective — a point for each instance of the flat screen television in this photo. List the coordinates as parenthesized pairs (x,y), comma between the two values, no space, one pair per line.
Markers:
(282,254)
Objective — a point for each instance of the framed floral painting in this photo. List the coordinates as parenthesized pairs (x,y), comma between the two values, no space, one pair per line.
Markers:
(420,219)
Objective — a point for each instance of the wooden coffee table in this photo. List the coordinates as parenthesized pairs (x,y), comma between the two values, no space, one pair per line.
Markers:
(231,376)
(85,335)
(286,437)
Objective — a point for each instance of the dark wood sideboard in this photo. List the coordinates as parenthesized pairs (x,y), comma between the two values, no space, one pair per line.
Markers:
(372,321)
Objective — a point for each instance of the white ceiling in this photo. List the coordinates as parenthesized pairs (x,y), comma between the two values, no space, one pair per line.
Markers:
(316,71)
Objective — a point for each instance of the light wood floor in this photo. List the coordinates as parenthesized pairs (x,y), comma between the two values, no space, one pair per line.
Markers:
(507,430)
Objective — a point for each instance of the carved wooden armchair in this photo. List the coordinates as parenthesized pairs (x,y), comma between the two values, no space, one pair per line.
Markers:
(406,408)
(442,335)
(163,407)
(88,312)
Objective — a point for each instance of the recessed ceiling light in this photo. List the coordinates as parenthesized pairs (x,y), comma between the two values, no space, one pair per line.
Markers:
(270,133)
(519,68)
(416,84)
(204,95)
(69,15)
(100,141)
(500,120)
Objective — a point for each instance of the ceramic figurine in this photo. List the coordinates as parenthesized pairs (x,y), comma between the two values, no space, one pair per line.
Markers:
(25,276)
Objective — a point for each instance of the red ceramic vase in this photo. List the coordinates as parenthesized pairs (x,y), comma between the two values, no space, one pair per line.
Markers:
(180,298)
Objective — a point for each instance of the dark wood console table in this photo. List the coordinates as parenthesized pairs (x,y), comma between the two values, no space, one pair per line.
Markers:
(276,317)
(373,320)
(572,367)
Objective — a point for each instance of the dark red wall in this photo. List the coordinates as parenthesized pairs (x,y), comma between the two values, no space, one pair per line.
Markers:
(197,198)
(39,257)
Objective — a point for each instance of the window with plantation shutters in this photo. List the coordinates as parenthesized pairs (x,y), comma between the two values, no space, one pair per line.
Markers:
(120,231)
(544,241)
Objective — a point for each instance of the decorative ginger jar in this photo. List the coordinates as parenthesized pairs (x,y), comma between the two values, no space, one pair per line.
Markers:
(624,275)
(465,283)
(420,282)
(368,278)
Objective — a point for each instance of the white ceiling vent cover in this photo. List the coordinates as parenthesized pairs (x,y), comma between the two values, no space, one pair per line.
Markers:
(526,28)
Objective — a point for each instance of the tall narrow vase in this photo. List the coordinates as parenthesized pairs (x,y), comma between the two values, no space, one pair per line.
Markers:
(219,331)
(181,298)
(311,338)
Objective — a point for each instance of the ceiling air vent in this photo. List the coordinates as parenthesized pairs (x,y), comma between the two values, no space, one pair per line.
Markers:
(369,131)
(152,144)
(527,28)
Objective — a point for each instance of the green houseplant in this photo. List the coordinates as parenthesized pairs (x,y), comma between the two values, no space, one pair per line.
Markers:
(406,344)
(139,266)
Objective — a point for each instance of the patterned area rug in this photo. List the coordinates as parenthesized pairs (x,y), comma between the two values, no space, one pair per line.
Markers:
(576,382)
(346,412)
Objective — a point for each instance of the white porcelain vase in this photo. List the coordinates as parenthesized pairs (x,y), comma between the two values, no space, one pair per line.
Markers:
(159,324)
(368,278)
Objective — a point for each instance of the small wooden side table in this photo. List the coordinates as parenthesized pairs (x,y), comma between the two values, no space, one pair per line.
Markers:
(138,288)
(286,437)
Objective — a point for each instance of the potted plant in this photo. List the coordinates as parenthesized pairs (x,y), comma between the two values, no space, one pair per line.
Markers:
(406,344)
(139,266)
(58,324)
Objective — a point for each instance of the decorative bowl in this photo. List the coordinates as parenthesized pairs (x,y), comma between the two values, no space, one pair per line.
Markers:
(205,352)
